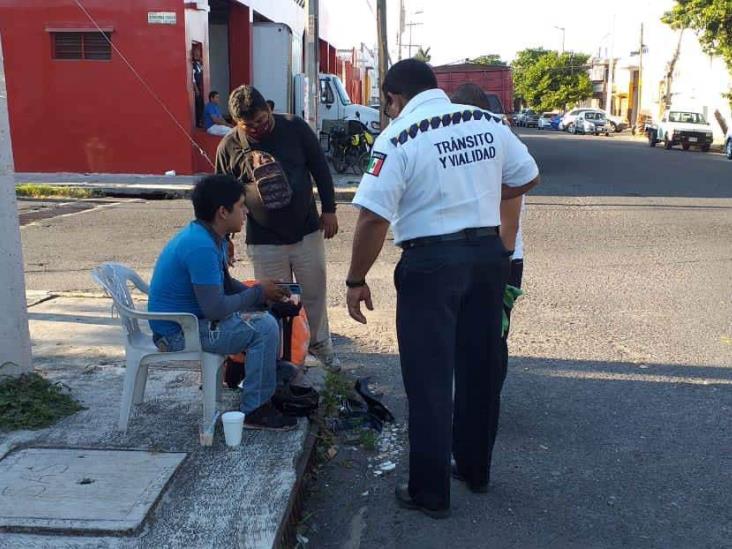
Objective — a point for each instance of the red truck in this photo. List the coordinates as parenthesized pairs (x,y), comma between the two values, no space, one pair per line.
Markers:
(495,80)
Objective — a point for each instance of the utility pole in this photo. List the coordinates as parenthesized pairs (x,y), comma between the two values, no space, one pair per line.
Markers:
(410,45)
(15,347)
(383,53)
(312,54)
(640,82)
(400,34)
(411,25)
(563,35)
(610,71)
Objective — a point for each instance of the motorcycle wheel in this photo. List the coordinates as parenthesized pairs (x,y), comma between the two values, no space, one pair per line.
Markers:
(339,161)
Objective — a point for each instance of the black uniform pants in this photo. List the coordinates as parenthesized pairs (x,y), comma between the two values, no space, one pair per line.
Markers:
(449,303)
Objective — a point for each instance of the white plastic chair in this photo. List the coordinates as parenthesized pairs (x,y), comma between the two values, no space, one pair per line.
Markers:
(141,352)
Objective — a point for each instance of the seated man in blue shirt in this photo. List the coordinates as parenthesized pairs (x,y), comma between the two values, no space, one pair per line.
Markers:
(213,120)
(191,276)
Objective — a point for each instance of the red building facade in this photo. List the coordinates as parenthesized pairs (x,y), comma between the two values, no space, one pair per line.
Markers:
(79,105)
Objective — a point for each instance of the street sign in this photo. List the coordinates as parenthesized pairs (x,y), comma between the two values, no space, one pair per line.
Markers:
(161,18)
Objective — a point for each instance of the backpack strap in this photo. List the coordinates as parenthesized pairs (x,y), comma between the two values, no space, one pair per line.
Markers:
(243,141)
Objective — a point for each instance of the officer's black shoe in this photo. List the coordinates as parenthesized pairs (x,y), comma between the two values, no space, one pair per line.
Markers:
(405,501)
(475,488)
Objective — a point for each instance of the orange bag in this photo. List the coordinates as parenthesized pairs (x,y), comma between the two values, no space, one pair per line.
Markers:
(294,337)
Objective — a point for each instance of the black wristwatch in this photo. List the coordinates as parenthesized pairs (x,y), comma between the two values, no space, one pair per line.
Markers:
(356,283)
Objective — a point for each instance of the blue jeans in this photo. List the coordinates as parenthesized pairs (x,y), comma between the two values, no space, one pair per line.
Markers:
(258,337)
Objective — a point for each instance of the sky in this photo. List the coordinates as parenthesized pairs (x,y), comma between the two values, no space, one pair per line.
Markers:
(469,28)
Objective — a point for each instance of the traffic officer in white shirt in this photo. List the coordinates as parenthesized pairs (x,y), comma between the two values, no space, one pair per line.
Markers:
(435,176)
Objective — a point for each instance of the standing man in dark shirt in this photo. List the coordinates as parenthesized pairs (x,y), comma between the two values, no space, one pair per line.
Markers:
(288,240)
(196,60)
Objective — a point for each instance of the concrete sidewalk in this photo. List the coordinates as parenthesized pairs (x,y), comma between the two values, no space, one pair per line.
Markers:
(217,496)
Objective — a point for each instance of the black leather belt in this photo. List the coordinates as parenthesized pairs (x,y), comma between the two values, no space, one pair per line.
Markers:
(465,234)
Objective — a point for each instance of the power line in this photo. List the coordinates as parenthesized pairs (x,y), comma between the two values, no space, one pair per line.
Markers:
(145,84)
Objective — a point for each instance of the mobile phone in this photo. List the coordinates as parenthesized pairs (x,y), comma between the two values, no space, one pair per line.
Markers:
(295,291)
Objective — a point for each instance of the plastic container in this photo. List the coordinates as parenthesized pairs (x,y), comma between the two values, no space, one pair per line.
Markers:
(233,426)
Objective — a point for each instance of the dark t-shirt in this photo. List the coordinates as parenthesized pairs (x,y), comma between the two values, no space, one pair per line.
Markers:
(294,145)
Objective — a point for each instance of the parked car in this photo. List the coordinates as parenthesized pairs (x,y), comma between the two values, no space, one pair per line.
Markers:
(519,116)
(555,121)
(685,127)
(545,121)
(569,117)
(590,122)
(617,123)
(728,144)
(529,119)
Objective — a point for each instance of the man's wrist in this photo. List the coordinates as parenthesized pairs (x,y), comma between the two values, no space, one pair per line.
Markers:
(355,283)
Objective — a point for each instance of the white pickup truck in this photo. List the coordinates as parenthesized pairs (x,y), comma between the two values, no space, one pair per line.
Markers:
(683,127)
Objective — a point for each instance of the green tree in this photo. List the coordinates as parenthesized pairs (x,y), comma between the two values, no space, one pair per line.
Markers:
(546,80)
(489,59)
(712,20)
(423,55)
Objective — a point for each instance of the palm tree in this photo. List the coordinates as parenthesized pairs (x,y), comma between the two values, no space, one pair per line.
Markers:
(423,55)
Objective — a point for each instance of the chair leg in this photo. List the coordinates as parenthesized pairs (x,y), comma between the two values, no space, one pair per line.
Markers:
(128,390)
(140,383)
(219,381)
(210,365)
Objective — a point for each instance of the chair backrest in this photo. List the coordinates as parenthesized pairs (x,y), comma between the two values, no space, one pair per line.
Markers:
(114,278)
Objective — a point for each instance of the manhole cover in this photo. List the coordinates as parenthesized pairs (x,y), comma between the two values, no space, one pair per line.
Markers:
(87,491)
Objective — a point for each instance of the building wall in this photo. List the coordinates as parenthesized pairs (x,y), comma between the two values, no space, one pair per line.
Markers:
(95,116)
(699,81)
(98,116)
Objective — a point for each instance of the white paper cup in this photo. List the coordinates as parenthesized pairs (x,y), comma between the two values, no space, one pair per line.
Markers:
(233,426)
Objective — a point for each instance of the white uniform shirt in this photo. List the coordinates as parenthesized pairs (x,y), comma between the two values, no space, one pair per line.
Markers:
(437,168)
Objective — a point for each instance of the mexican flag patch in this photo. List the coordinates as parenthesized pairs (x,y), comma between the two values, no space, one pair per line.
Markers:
(375,164)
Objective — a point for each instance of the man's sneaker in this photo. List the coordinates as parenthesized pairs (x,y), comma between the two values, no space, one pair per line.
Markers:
(268,418)
(326,356)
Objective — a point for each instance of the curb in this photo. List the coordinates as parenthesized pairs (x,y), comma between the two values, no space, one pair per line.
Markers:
(286,536)
(161,192)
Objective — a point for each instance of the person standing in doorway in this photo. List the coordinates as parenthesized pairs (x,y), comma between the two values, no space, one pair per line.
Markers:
(197,78)
(287,240)
(437,175)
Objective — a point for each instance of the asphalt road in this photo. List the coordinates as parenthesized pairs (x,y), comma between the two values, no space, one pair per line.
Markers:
(615,429)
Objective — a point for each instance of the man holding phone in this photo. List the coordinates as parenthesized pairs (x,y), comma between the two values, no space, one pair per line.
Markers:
(191,276)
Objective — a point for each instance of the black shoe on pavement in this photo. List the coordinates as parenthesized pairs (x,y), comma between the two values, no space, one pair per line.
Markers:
(405,501)
(268,418)
(476,489)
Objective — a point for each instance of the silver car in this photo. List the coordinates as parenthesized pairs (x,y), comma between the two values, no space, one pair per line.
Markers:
(590,122)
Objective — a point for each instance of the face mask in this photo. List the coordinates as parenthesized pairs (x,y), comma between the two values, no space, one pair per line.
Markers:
(262,131)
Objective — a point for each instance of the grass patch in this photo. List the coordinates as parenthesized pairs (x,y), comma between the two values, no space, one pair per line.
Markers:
(368,439)
(337,387)
(37,190)
(32,402)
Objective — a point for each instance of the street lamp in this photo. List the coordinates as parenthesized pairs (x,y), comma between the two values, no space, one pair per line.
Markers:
(563,33)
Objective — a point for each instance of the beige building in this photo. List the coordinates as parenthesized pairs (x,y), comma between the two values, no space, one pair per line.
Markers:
(697,81)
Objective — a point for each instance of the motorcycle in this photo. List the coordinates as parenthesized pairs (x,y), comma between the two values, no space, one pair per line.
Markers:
(350,147)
